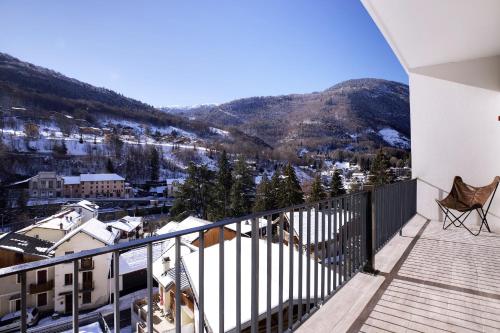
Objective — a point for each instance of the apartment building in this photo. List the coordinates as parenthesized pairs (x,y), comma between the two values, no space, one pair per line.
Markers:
(19,249)
(96,185)
(94,273)
(46,184)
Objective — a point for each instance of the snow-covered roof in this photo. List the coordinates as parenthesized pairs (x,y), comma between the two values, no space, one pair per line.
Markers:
(136,259)
(88,177)
(246,226)
(187,223)
(71,180)
(66,219)
(86,204)
(127,223)
(20,182)
(176,180)
(158,189)
(211,296)
(95,229)
(316,224)
(25,244)
(166,278)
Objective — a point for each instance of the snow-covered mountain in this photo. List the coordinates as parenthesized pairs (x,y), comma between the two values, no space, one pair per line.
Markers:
(360,114)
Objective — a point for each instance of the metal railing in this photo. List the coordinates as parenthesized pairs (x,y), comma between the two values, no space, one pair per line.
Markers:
(323,244)
(395,204)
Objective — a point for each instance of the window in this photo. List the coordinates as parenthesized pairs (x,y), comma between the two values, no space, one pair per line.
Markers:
(41,276)
(86,297)
(68,279)
(16,305)
(68,252)
(18,279)
(41,299)
(51,184)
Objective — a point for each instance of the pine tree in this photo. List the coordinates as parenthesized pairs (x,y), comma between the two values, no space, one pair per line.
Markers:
(291,192)
(379,174)
(242,190)
(275,195)
(264,196)
(317,191)
(195,195)
(109,166)
(221,205)
(336,186)
(154,163)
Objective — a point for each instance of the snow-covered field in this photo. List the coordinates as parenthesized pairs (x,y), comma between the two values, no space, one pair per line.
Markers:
(50,137)
(394,138)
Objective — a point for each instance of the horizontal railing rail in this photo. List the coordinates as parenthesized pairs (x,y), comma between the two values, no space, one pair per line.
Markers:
(305,253)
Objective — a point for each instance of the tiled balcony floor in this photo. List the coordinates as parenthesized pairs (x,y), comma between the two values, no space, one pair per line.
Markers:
(432,280)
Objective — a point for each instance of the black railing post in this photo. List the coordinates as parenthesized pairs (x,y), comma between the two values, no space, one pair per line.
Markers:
(370,229)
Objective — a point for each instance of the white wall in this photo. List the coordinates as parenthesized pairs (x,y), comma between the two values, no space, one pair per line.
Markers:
(455,131)
(102,265)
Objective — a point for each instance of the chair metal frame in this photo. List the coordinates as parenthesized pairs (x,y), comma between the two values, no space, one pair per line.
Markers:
(458,221)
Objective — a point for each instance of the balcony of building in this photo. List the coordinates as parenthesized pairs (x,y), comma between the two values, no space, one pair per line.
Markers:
(35,288)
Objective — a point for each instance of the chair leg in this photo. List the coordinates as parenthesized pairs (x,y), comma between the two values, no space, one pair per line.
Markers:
(484,221)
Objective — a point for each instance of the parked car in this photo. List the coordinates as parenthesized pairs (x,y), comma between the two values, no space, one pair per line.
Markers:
(12,321)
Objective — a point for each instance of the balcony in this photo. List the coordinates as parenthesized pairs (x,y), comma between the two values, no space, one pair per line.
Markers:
(430,280)
(275,279)
(315,273)
(36,288)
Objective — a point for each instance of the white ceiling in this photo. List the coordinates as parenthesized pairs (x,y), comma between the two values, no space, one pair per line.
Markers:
(430,32)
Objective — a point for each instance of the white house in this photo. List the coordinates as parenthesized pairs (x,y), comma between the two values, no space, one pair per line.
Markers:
(129,227)
(94,273)
(55,227)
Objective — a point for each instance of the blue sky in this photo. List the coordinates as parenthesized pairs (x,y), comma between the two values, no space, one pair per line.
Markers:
(184,52)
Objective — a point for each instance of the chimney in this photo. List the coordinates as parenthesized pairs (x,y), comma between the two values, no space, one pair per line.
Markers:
(61,226)
(166,264)
(109,228)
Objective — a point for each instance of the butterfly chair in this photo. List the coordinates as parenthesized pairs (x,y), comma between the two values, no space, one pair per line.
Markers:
(465,199)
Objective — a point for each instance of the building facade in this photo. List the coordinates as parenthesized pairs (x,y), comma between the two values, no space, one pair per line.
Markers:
(17,249)
(109,185)
(46,184)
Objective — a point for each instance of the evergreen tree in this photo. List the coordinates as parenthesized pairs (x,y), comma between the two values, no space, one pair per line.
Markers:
(242,190)
(317,191)
(336,186)
(195,195)
(109,166)
(221,205)
(275,196)
(379,174)
(22,199)
(291,192)
(154,163)
(264,196)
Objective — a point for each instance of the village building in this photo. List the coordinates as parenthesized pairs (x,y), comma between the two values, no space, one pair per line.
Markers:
(164,306)
(315,231)
(94,277)
(19,249)
(55,227)
(96,185)
(46,184)
(128,227)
